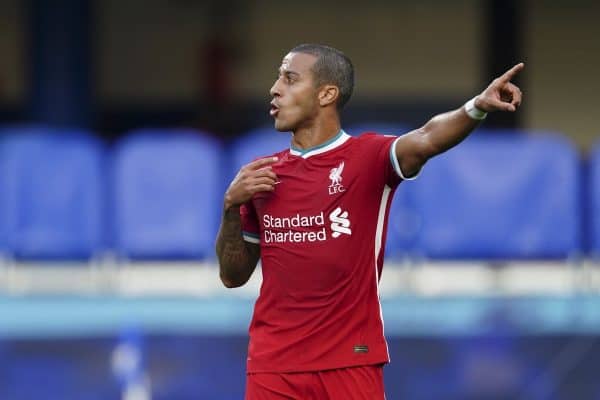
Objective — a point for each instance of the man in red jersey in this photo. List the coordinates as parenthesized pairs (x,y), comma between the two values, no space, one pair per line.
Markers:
(316,216)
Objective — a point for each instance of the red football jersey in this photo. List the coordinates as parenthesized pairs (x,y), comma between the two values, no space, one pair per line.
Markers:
(322,235)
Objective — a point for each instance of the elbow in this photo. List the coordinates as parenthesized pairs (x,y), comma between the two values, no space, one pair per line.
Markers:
(230,283)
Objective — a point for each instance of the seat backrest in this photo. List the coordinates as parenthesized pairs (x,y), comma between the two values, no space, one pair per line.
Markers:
(404,223)
(594,201)
(52,184)
(166,197)
(501,196)
(256,143)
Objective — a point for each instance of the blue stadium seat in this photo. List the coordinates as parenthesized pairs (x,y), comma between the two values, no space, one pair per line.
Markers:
(501,196)
(403,225)
(198,367)
(494,366)
(31,373)
(257,143)
(167,200)
(594,200)
(52,187)
(35,377)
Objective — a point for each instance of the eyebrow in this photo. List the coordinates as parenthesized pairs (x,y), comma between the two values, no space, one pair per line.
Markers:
(288,73)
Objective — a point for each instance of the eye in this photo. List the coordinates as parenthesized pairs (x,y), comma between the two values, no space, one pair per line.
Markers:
(287,78)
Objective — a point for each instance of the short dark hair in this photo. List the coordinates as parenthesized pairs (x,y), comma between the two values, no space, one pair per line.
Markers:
(332,66)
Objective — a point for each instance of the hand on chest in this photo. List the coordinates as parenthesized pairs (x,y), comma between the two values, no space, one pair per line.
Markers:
(313,184)
(324,196)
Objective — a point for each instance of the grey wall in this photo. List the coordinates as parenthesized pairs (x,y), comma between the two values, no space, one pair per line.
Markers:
(12,53)
(426,48)
(563,63)
(402,50)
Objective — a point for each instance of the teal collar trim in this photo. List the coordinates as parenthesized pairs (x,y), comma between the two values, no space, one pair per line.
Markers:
(331,144)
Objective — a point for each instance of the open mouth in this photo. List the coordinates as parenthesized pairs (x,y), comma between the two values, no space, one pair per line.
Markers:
(274,110)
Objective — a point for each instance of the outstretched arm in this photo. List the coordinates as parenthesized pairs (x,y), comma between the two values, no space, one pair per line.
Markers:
(238,258)
(446,130)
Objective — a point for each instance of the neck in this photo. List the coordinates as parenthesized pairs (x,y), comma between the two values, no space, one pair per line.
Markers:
(316,134)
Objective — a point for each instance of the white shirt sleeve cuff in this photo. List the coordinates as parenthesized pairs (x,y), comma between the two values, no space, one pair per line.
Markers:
(251,237)
(396,164)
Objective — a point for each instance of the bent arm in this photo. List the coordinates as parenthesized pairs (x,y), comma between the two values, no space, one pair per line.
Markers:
(439,134)
(237,258)
(446,130)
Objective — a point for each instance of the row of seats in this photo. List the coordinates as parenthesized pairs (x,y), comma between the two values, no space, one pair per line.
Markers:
(497,196)
(494,365)
(157,194)
(64,195)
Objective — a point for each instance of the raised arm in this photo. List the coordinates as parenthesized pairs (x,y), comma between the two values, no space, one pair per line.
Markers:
(446,130)
(238,258)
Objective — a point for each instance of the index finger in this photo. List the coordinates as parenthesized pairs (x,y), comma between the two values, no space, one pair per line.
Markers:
(261,162)
(508,75)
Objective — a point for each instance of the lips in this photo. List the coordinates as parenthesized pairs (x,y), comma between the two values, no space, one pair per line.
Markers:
(274,109)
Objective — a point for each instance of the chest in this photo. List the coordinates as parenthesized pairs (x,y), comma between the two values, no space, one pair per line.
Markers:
(308,187)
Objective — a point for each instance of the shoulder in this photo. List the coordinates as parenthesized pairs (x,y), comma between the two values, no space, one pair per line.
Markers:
(374,136)
(280,155)
(374,139)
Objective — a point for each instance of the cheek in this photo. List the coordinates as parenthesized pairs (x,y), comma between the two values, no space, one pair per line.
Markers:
(297,108)
(307,102)
(301,103)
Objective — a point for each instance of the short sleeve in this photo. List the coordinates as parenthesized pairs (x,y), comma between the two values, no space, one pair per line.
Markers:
(396,163)
(385,157)
(250,230)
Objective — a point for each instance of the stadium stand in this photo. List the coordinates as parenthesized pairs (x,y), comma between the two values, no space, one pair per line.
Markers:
(594,201)
(385,128)
(498,196)
(256,143)
(166,194)
(403,226)
(52,184)
(209,366)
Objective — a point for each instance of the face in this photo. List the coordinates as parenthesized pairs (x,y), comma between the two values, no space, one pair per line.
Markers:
(295,95)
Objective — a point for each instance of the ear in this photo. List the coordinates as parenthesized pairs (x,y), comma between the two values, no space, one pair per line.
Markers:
(328,95)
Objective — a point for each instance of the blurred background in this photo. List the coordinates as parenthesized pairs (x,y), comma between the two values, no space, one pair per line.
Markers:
(122,122)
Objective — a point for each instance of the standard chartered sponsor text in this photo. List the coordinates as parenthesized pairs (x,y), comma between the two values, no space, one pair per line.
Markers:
(291,235)
(293,222)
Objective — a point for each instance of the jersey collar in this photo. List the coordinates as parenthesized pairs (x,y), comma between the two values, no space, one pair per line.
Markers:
(331,144)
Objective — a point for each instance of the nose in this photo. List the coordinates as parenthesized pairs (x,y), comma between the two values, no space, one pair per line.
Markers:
(275,92)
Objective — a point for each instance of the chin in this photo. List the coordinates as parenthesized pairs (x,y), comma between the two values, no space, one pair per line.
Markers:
(282,126)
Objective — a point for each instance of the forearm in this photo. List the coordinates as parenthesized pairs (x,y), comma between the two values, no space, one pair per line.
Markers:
(446,130)
(235,260)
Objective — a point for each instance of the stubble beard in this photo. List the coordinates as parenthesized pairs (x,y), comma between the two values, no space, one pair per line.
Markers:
(282,126)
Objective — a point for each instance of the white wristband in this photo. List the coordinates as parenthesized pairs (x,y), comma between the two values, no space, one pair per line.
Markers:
(474,112)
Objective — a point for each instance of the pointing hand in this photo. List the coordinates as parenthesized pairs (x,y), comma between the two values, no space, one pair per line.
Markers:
(501,94)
